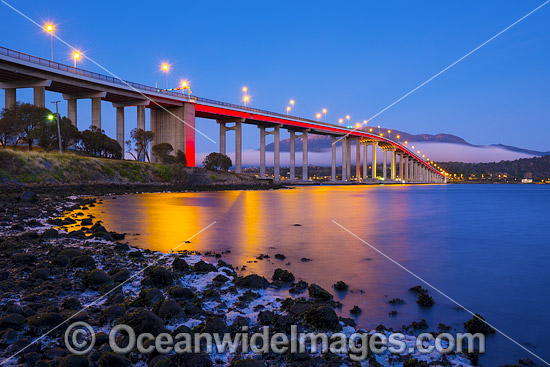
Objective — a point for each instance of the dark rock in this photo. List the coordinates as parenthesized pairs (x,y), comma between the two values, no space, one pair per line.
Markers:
(143,321)
(71,303)
(86,222)
(121,246)
(282,275)
(121,276)
(180,265)
(340,286)
(323,318)
(43,322)
(220,279)
(96,278)
(249,362)
(280,256)
(158,277)
(265,317)
(169,309)
(28,196)
(12,321)
(61,260)
(40,273)
(9,336)
(70,253)
(252,281)
(111,313)
(396,301)
(73,360)
(202,267)
(151,296)
(181,293)
(111,359)
(425,300)
(50,233)
(477,324)
(319,293)
(24,258)
(356,310)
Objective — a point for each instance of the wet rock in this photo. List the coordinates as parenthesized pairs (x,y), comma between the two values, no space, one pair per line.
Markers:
(249,362)
(319,293)
(96,278)
(70,253)
(71,303)
(151,296)
(43,322)
(219,280)
(73,360)
(425,300)
(356,310)
(282,323)
(340,286)
(61,260)
(299,287)
(110,359)
(214,324)
(8,337)
(202,267)
(477,324)
(252,281)
(280,256)
(181,293)
(192,360)
(396,301)
(158,277)
(181,266)
(121,276)
(50,233)
(169,309)
(111,313)
(24,258)
(121,246)
(305,259)
(41,273)
(282,275)
(323,318)
(28,196)
(86,222)
(12,321)
(143,321)
(265,317)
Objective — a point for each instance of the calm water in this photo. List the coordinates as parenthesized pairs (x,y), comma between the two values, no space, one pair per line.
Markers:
(486,246)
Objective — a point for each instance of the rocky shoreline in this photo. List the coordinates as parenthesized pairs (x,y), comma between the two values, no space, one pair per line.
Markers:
(58,261)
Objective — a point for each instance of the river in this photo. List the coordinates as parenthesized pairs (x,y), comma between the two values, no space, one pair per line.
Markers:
(485,246)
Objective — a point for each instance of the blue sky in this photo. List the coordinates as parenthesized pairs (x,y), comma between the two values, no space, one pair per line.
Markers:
(353,57)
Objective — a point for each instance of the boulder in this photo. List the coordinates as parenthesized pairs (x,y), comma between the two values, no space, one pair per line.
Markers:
(252,281)
(281,275)
(143,321)
(202,267)
(169,309)
(96,278)
(50,233)
(44,322)
(319,293)
(323,318)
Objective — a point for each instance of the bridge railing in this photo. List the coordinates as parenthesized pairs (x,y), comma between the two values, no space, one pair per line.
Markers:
(93,75)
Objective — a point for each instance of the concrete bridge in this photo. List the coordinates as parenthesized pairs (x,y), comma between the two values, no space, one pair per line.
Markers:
(172,116)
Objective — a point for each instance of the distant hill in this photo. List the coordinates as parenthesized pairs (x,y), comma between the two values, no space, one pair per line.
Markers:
(322,143)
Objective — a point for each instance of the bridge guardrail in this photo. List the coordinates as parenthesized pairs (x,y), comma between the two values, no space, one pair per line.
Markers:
(90,74)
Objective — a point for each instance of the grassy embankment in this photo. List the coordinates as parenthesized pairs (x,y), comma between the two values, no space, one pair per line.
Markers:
(18,167)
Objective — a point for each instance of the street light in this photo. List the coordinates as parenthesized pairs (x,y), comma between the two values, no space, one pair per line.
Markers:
(245,89)
(76,56)
(347,118)
(325,113)
(246,99)
(287,109)
(398,138)
(389,134)
(340,121)
(50,29)
(166,67)
(292,104)
(318,115)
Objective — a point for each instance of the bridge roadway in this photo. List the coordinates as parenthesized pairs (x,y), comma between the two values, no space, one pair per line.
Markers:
(172,116)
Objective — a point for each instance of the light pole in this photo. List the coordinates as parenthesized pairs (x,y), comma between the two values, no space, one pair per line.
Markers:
(340,121)
(325,113)
(50,28)
(76,56)
(287,109)
(245,99)
(318,116)
(347,118)
(292,104)
(165,67)
(58,127)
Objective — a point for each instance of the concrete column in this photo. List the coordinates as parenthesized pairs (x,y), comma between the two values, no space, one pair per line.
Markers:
(39,96)
(404,169)
(222,137)
(71,110)
(276,154)
(374,162)
(238,147)
(393,170)
(365,163)
(119,127)
(333,161)
(262,151)
(358,159)
(348,158)
(401,170)
(292,155)
(96,112)
(384,164)
(141,118)
(305,173)
(10,97)
(411,170)
(344,159)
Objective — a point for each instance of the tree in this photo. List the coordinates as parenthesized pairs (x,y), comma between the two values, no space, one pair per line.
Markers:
(215,161)
(20,121)
(139,142)
(162,152)
(97,144)
(7,130)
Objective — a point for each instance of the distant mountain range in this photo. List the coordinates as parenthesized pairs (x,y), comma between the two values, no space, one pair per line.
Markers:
(322,143)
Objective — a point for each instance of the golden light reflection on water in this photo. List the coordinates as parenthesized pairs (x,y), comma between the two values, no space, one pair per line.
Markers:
(250,223)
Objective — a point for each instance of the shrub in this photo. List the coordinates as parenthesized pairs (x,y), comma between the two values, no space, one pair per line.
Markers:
(217,161)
